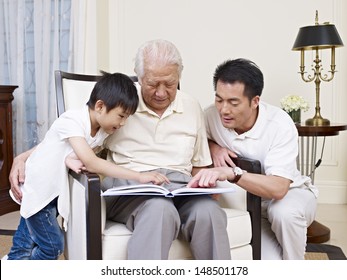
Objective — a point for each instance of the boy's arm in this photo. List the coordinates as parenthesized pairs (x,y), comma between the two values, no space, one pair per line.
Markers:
(100,166)
(74,163)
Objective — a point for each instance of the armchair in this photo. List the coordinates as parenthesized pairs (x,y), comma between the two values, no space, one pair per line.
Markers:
(91,236)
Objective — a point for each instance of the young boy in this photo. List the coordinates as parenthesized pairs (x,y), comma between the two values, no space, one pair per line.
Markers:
(71,138)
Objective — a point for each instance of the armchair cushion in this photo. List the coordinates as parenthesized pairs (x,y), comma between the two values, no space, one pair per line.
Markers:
(239,233)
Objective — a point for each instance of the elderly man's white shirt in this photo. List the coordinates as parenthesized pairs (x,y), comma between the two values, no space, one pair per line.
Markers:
(176,140)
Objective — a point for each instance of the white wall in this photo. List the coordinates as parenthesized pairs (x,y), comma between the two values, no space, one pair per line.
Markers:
(209,32)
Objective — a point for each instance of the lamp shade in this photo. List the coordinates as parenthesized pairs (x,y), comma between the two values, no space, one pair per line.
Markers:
(317,36)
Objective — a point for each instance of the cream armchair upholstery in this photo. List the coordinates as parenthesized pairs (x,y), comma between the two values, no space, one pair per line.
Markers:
(91,236)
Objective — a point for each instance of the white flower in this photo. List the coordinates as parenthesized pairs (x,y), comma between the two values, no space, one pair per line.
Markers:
(294,102)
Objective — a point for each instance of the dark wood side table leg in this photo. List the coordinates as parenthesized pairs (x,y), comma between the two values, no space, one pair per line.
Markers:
(317,233)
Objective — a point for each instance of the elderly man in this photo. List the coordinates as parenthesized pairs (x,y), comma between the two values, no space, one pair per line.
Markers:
(167,134)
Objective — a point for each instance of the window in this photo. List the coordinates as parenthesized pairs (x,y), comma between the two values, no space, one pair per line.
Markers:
(34,41)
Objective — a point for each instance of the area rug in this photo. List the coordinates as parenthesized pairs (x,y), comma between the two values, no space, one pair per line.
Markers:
(313,251)
(324,252)
(5,241)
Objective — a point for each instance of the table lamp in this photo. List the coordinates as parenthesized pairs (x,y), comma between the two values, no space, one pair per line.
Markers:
(317,37)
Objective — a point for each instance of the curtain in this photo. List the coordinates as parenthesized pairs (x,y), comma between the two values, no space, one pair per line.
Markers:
(48,26)
(38,37)
(83,37)
(12,62)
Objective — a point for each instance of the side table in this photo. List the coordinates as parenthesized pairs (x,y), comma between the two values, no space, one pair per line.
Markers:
(6,148)
(307,163)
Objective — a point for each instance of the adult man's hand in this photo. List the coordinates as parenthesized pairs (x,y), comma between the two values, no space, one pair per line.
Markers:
(221,156)
(17,173)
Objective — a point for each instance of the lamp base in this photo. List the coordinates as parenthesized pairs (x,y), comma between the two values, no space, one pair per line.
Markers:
(317,121)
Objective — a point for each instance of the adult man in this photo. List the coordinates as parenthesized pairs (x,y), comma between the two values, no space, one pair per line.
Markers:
(167,134)
(240,124)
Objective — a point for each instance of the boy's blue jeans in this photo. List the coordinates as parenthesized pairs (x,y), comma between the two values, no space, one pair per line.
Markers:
(38,237)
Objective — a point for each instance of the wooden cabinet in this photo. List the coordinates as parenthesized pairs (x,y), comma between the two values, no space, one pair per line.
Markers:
(6,148)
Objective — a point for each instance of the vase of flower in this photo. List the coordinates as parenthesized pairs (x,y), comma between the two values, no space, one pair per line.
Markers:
(295,115)
(293,105)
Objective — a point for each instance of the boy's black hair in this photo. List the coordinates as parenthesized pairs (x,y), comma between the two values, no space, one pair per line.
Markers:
(115,90)
(243,71)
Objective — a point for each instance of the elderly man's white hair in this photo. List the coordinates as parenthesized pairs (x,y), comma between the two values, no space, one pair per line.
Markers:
(161,51)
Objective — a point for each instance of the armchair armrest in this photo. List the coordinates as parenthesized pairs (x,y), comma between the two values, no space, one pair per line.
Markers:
(254,209)
(253,204)
(91,184)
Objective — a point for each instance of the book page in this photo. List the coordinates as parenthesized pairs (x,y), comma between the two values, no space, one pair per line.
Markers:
(151,189)
(197,191)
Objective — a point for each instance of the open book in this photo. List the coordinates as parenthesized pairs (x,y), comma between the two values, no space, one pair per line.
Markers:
(150,189)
